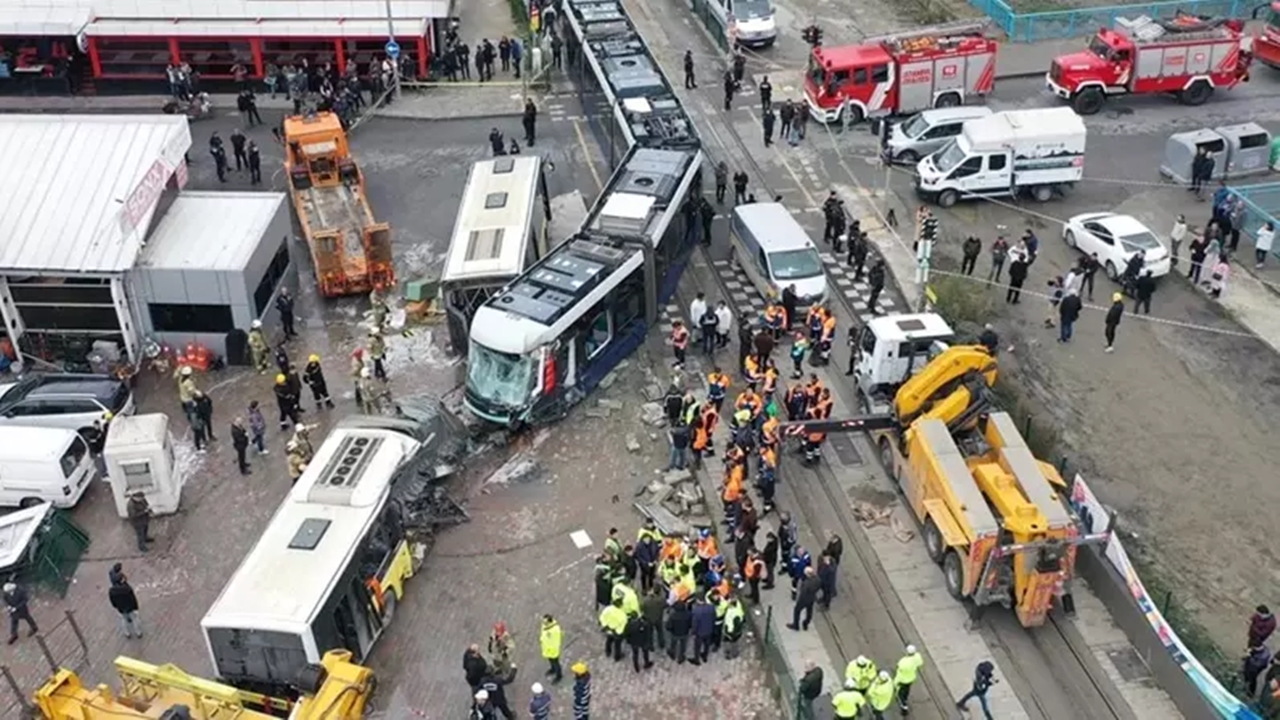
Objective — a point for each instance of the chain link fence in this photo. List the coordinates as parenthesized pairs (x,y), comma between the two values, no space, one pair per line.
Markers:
(1261,206)
(1058,24)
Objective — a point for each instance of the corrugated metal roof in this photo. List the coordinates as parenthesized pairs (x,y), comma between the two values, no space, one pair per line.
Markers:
(26,17)
(82,188)
(210,230)
(275,28)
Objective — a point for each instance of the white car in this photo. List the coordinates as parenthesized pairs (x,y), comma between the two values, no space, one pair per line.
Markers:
(1115,238)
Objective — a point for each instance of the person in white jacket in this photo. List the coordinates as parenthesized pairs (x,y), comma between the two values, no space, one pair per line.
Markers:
(724,323)
(697,309)
(1262,243)
(1176,236)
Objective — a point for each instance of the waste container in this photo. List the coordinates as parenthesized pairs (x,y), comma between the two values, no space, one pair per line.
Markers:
(1248,149)
(1181,149)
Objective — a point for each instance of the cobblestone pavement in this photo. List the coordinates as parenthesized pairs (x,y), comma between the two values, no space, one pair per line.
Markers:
(515,561)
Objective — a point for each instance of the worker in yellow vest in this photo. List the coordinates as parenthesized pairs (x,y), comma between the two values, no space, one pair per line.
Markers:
(906,674)
(880,695)
(862,671)
(613,620)
(848,702)
(551,638)
(624,592)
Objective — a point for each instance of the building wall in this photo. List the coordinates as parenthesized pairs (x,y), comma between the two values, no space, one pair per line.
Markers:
(238,290)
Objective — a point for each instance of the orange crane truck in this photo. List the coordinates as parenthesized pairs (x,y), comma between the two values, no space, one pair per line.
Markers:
(350,250)
(992,515)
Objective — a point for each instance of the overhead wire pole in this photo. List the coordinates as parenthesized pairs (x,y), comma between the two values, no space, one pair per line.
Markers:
(393,53)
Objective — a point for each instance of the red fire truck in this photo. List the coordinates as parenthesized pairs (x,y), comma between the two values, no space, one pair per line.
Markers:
(942,66)
(1187,56)
(1266,48)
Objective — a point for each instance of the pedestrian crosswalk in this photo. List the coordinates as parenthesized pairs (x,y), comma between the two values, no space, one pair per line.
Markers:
(744,298)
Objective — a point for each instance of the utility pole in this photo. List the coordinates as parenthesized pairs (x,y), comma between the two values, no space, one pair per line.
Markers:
(393,53)
(928,234)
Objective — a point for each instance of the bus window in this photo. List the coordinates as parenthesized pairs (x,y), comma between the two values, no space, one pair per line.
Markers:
(599,333)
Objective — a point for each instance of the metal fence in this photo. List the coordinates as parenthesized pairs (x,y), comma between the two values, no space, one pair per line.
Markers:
(1262,205)
(1058,24)
(61,646)
(788,698)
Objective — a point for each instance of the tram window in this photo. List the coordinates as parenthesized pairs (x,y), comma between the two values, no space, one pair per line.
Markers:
(629,303)
(215,58)
(599,334)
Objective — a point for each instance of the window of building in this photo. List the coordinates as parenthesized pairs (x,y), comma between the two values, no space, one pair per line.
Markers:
(172,317)
(138,57)
(292,52)
(59,291)
(78,318)
(271,278)
(215,58)
(364,52)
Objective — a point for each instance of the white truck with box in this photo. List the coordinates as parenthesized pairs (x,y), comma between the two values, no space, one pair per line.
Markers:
(1040,152)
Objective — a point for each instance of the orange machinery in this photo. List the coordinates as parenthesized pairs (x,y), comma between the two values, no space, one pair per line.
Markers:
(351,251)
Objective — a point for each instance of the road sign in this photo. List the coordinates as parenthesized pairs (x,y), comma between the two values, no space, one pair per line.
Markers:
(393,49)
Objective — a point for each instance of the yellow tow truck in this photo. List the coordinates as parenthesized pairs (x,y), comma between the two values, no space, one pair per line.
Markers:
(992,515)
(336,689)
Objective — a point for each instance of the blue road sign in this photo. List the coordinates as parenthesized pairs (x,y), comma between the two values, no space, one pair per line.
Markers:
(393,49)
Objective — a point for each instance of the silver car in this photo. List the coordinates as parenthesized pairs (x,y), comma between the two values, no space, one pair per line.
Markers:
(925,132)
(63,400)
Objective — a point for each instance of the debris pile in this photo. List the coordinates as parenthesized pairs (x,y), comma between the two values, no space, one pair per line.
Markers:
(675,501)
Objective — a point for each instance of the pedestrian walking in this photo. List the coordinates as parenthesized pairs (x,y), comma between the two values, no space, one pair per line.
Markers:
(999,251)
(826,581)
(806,594)
(18,603)
(1143,290)
(766,92)
(581,691)
(530,122)
(729,87)
(251,107)
(1201,172)
(125,602)
(240,441)
(613,621)
(858,249)
(1068,313)
(204,411)
(703,618)
(1263,242)
(1017,276)
(504,53)
(847,704)
(767,118)
(875,282)
(801,122)
(971,249)
(787,115)
(739,187)
(722,181)
(640,637)
(474,667)
(1218,277)
(735,617)
(1235,218)
(377,353)
(739,65)
(138,511)
(1114,314)
(284,304)
(539,702)
(982,681)
(313,376)
(880,695)
(1255,662)
(679,626)
(1176,235)
(690,82)
(905,675)
(494,686)
(809,689)
(557,52)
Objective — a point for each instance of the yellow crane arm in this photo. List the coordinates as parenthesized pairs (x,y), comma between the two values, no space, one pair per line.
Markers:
(944,389)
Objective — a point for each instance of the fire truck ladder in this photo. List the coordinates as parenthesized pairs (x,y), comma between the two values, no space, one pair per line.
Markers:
(960,27)
(1144,29)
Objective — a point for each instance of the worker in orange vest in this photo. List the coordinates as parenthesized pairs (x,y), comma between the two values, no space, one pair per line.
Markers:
(796,401)
(731,494)
(770,433)
(750,400)
(812,392)
(704,426)
(751,369)
(767,477)
(828,336)
(770,378)
(753,570)
(679,341)
(817,316)
(717,388)
(775,318)
(706,549)
(820,411)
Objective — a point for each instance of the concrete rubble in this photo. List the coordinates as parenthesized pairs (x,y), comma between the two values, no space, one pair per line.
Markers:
(675,501)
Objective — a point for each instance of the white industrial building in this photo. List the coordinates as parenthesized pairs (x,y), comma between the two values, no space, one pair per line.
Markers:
(85,194)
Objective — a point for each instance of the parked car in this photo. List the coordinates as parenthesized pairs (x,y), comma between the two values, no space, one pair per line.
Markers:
(1115,238)
(63,400)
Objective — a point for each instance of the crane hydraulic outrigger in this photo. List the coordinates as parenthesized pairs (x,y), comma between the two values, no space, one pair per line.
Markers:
(337,689)
(992,514)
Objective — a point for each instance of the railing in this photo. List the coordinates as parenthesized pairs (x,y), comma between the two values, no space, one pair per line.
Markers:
(1261,206)
(62,646)
(788,698)
(1058,24)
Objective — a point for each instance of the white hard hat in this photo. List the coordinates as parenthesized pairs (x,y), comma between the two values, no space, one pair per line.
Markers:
(256,324)
(482,695)
(186,370)
(291,445)
(862,660)
(849,684)
(537,689)
(884,674)
(300,427)
(911,649)
(364,372)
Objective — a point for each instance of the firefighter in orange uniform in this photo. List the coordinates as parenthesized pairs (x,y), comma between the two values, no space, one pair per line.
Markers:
(820,411)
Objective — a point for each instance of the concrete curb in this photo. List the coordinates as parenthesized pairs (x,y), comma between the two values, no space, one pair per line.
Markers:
(410,115)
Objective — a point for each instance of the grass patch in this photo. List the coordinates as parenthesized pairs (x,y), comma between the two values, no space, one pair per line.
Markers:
(928,12)
(966,306)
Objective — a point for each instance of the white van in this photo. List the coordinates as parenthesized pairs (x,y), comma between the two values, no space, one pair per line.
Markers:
(39,464)
(774,251)
(926,131)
